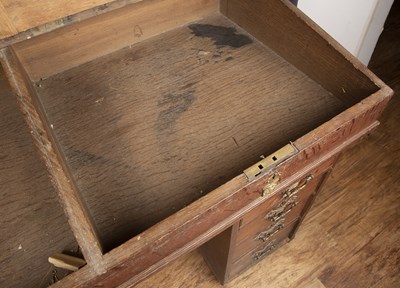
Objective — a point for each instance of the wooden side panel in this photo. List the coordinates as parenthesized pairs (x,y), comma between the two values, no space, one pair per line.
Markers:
(41,131)
(216,252)
(279,25)
(32,224)
(79,43)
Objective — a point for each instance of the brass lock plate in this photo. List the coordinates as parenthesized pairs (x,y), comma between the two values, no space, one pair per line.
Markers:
(263,166)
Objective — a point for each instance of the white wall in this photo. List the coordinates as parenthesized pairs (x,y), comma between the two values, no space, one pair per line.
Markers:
(356,24)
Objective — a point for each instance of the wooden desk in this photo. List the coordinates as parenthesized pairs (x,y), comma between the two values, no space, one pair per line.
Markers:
(146,117)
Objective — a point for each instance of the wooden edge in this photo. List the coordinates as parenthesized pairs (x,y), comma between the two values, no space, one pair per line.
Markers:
(49,150)
(377,102)
(65,21)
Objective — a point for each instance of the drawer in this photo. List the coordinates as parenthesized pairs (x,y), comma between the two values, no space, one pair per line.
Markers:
(279,212)
(307,187)
(258,252)
(284,211)
(257,236)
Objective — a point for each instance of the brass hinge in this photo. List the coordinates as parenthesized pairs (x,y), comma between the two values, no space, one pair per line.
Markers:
(263,166)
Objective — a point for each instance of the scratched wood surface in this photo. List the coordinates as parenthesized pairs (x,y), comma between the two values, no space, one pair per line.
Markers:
(351,238)
(32,223)
(18,16)
(68,47)
(137,124)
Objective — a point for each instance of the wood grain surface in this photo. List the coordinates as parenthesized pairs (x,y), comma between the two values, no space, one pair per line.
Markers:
(68,47)
(303,47)
(351,236)
(26,14)
(78,218)
(148,120)
(32,223)
(6,26)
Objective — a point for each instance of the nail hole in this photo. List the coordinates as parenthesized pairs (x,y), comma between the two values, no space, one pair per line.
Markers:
(274,158)
(261,166)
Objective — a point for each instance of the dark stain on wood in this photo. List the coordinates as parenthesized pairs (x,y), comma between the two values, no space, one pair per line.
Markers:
(174,105)
(222,36)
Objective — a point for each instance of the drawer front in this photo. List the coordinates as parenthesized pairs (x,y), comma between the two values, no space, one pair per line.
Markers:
(261,250)
(279,212)
(284,211)
(273,201)
(261,236)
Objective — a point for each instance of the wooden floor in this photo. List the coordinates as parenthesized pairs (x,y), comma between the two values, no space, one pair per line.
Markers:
(351,237)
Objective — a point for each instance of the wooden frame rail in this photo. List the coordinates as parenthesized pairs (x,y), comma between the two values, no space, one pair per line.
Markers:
(77,214)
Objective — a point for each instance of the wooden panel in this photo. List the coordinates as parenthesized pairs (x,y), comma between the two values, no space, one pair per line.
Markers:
(6,26)
(299,41)
(154,115)
(41,132)
(62,22)
(68,47)
(32,224)
(28,14)
(216,252)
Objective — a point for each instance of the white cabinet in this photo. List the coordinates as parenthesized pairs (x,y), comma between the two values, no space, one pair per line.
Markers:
(356,24)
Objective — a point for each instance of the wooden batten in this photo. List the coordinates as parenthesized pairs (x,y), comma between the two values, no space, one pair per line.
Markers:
(66,262)
(302,43)
(78,216)
(82,42)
